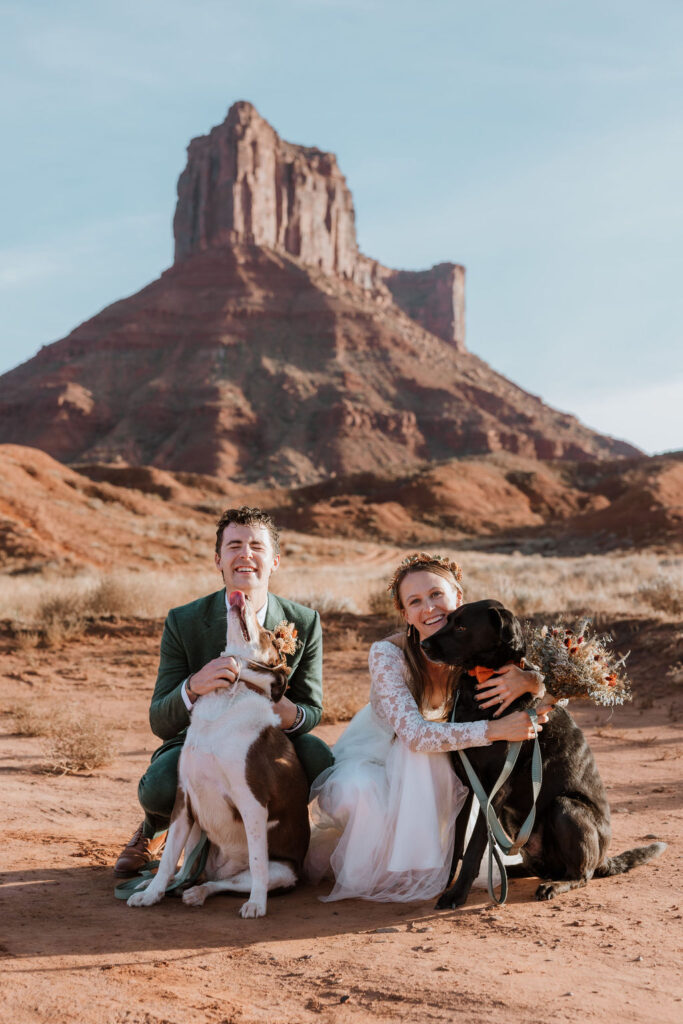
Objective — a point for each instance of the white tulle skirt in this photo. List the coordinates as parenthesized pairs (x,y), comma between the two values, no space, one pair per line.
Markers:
(383,817)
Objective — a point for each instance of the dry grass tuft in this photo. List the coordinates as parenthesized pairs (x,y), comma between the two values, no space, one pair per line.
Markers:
(73,741)
(327,603)
(61,605)
(351,640)
(337,577)
(61,618)
(31,721)
(26,639)
(664,593)
(608,732)
(77,743)
(340,709)
(380,602)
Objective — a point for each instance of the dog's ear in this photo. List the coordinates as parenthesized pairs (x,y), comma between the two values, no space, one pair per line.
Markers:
(508,628)
(512,634)
(279,684)
(495,618)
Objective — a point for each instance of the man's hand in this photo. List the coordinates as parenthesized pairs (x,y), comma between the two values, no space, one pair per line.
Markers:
(286,711)
(216,675)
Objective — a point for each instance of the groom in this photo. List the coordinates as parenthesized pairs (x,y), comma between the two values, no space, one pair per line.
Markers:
(247,553)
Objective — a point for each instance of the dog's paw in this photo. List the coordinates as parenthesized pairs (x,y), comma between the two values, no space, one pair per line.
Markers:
(145,898)
(253,908)
(195,897)
(545,891)
(449,900)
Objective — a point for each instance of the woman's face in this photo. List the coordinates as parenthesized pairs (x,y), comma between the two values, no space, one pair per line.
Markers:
(426,599)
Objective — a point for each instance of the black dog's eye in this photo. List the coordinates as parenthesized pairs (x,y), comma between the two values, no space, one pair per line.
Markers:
(459,629)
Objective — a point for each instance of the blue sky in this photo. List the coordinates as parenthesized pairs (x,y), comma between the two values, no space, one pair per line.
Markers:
(540,143)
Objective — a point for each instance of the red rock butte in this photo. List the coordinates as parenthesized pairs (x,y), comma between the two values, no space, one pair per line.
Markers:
(244,184)
(273,350)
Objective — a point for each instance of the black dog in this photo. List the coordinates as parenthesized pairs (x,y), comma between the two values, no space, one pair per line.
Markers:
(568,844)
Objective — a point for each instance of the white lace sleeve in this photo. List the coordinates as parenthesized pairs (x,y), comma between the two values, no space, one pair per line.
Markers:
(393,702)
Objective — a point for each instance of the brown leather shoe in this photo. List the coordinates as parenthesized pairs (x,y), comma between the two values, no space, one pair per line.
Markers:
(138,852)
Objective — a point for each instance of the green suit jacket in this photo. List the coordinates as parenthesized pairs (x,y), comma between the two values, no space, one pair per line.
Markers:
(194,634)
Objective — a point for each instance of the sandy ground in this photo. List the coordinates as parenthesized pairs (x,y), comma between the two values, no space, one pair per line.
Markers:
(71,953)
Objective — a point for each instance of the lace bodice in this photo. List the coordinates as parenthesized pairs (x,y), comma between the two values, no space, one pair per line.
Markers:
(394,705)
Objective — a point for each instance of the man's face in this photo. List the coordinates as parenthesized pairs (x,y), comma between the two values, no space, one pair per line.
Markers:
(246,558)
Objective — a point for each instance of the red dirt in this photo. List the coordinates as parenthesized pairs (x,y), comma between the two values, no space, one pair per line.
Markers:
(72,953)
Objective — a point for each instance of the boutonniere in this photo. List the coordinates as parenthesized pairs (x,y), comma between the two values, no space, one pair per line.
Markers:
(285,637)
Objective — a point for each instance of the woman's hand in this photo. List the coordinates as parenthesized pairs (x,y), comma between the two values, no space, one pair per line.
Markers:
(509,683)
(517,725)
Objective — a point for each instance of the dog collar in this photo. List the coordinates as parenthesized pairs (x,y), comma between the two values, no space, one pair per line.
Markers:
(483,674)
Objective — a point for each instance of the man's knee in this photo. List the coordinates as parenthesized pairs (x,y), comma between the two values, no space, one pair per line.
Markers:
(314,754)
(157,787)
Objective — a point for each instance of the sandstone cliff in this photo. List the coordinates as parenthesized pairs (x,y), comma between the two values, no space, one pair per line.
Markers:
(244,184)
(272,351)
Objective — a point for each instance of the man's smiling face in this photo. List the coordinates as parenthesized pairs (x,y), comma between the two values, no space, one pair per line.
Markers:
(246,559)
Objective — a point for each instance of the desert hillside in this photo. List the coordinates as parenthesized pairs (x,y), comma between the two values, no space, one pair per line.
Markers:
(52,516)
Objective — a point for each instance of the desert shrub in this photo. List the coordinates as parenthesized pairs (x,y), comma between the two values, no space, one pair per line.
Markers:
(336,713)
(380,602)
(31,721)
(61,617)
(25,639)
(76,742)
(57,607)
(118,595)
(337,577)
(342,709)
(664,593)
(351,640)
(73,741)
(328,604)
(131,595)
(523,603)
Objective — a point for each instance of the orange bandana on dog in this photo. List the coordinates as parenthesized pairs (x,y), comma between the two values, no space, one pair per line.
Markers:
(484,674)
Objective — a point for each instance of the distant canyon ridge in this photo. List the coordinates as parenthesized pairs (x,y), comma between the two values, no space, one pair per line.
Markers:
(273,352)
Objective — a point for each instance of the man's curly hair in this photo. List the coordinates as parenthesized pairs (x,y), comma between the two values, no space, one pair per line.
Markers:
(246,516)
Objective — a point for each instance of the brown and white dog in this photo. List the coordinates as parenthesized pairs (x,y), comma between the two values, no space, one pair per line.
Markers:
(239,780)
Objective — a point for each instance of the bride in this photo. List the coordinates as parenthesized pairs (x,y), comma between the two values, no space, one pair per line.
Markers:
(386,809)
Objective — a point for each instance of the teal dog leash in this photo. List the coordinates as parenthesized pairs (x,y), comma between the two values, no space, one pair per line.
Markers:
(193,865)
(498,839)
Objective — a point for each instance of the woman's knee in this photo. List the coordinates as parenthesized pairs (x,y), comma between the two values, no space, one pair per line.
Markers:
(352,792)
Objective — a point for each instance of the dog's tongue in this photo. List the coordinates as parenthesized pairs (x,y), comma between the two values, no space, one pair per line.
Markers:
(236,599)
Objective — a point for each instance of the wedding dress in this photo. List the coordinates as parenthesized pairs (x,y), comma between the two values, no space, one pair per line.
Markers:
(384,814)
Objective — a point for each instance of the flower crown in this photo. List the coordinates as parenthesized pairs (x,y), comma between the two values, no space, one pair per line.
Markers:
(421,560)
(285,637)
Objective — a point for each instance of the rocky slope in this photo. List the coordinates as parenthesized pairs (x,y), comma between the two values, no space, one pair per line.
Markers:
(273,351)
(141,517)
